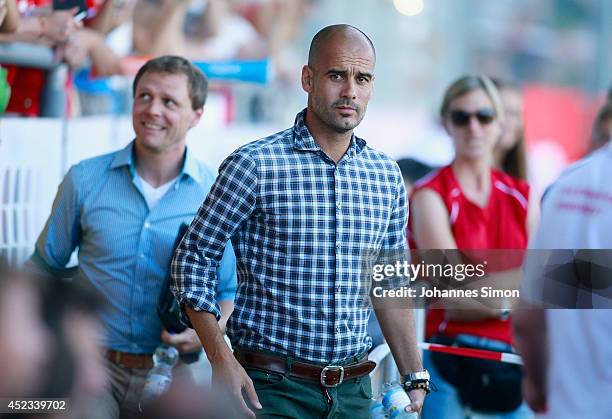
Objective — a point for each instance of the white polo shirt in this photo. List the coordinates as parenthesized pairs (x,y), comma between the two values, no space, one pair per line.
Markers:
(577,214)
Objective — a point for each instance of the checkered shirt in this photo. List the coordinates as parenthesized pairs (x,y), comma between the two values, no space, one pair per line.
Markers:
(301,226)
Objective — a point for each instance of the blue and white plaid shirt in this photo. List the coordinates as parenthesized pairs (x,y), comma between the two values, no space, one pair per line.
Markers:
(301,226)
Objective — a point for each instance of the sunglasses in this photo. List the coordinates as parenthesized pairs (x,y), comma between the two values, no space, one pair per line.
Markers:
(461,118)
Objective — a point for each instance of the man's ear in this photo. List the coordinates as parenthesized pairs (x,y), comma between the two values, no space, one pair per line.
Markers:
(197,116)
(307,75)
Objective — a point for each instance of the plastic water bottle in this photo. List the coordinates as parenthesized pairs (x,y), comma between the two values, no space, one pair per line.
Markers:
(377,410)
(160,377)
(395,400)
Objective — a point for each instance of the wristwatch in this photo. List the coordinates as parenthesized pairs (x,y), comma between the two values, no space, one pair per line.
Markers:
(416,380)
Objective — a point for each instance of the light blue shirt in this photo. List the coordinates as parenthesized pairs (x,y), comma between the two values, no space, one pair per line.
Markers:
(125,248)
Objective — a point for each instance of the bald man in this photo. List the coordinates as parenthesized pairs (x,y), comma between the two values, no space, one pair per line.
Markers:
(304,208)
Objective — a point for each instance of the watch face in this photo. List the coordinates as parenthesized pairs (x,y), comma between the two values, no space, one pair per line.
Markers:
(424,375)
(413,376)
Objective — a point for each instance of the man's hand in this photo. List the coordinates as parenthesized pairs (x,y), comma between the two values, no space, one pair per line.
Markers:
(88,43)
(417,397)
(186,342)
(230,374)
(59,25)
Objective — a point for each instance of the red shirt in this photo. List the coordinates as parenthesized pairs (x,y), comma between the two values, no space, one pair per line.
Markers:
(502,224)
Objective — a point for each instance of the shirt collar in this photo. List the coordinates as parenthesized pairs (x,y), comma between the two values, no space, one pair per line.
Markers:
(303,140)
(124,157)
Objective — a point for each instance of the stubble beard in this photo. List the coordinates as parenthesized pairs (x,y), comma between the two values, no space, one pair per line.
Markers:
(337,123)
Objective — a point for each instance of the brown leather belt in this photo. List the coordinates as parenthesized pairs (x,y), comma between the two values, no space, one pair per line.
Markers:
(135,361)
(328,376)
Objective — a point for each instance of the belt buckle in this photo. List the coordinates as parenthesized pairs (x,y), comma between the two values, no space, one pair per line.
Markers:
(333,368)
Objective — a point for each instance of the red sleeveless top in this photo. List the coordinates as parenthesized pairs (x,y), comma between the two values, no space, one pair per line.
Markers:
(501,224)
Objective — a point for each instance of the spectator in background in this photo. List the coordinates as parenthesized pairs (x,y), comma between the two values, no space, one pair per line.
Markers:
(470,205)
(122,211)
(9,16)
(279,23)
(567,350)
(24,339)
(509,153)
(217,32)
(72,44)
(602,127)
(76,370)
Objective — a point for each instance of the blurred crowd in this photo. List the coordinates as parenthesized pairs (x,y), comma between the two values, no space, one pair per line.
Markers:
(98,34)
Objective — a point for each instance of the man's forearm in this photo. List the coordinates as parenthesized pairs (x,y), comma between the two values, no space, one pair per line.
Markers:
(529,326)
(207,328)
(398,328)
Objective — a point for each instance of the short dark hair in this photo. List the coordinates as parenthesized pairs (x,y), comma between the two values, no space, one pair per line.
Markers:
(319,40)
(197,84)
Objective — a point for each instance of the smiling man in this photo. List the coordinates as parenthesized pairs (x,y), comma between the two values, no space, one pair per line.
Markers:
(303,208)
(123,210)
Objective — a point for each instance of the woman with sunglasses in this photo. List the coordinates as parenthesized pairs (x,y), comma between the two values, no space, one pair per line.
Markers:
(470,205)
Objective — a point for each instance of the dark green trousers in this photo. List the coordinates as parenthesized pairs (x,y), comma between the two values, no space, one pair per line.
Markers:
(283,396)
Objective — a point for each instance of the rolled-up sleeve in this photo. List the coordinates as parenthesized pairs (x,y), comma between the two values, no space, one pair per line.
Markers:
(230,202)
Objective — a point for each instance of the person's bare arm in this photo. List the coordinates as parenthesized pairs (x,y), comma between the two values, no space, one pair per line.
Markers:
(87,43)
(432,230)
(9,17)
(225,368)
(398,328)
(188,340)
(529,324)
(51,29)
(159,30)
(209,23)
(112,14)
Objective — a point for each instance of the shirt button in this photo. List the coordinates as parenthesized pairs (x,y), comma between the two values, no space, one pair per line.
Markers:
(147,225)
(142,256)
(337,245)
(339,206)
(338,328)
